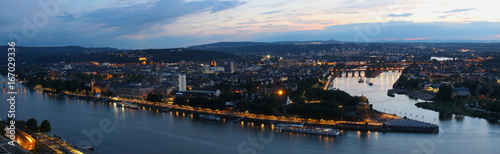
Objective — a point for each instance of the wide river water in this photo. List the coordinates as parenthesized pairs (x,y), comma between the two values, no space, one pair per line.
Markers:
(144,131)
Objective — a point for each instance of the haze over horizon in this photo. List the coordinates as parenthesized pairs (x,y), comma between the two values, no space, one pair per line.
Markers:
(129,24)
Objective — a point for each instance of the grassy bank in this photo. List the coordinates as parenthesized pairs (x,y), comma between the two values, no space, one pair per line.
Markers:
(455,108)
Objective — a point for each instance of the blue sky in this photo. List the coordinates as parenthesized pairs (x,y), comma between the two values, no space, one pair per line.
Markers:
(132,24)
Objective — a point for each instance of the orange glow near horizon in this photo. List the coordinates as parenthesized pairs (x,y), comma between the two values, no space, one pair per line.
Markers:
(260,17)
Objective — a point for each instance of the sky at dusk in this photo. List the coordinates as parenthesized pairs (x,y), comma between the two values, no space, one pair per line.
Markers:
(133,24)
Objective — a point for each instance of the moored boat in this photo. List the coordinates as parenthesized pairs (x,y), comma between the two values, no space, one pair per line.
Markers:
(209,117)
(122,104)
(128,105)
(369,83)
(132,106)
(308,130)
(361,80)
(390,94)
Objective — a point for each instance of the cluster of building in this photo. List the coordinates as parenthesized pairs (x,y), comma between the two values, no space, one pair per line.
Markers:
(199,78)
(137,80)
(451,71)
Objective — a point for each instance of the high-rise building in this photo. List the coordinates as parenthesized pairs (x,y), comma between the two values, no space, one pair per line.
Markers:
(182,82)
(311,53)
(230,67)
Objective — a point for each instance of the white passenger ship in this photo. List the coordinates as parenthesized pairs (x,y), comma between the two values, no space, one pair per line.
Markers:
(308,130)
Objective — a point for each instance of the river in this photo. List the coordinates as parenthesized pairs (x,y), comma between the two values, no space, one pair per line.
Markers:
(145,131)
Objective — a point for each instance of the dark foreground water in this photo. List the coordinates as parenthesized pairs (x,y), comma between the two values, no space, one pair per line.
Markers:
(145,131)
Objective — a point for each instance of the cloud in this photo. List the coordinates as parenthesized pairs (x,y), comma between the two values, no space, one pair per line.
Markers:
(175,23)
(459,10)
(165,10)
(400,15)
(252,21)
(139,21)
(223,5)
(391,30)
(444,16)
(67,17)
(271,12)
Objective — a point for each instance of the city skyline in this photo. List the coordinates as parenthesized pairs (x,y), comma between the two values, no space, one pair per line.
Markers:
(165,24)
(250,76)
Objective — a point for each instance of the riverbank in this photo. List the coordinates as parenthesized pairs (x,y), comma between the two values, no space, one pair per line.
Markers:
(392,123)
(457,108)
(399,91)
(422,94)
(247,117)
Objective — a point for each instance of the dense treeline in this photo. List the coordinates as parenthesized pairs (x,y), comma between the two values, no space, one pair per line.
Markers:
(41,55)
(404,82)
(37,55)
(32,124)
(79,84)
(302,86)
(261,106)
(255,47)
(323,110)
(445,93)
(331,96)
(154,97)
(60,85)
(495,107)
(294,47)
(328,108)
(201,102)
(176,55)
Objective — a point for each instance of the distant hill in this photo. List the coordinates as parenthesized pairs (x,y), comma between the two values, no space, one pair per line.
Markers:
(57,50)
(49,54)
(231,44)
(40,55)
(182,54)
(296,47)
(309,42)
(437,41)
(276,47)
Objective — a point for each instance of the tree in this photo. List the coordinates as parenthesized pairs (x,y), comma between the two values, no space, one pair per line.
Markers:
(445,92)
(228,96)
(2,131)
(243,105)
(153,97)
(340,66)
(180,100)
(59,85)
(198,102)
(107,93)
(314,94)
(32,124)
(45,126)
(20,123)
(216,104)
(261,108)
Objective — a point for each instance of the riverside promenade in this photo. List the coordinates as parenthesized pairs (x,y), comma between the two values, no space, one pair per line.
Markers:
(384,122)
